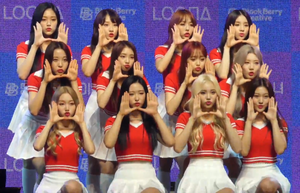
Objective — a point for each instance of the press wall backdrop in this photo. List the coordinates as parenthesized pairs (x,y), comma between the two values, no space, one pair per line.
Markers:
(147,23)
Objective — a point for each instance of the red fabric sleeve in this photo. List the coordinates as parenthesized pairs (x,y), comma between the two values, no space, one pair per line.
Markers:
(240,126)
(79,84)
(172,83)
(225,86)
(109,123)
(102,81)
(40,129)
(34,82)
(182,120)
(215,56)
(160,52)
(86,53)
(232,121)
(22,50)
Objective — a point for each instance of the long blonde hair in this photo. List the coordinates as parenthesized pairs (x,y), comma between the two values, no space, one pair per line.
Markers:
(240,58)
(54,135)
(196,137)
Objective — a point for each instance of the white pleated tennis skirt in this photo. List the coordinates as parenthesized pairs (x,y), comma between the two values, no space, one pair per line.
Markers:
(91,106)
(96,126)
(52,182)
(134,177)
(252,174)
(19,112)
(21,146)
(161,150)
(205,176)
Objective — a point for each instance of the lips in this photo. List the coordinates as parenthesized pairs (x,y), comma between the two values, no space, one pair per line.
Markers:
(137,104)
(242,34)
(67,114)
(111,35)
(127,66)
(186,35)
(208,103)
(251,73)
(48,29)
(260,106)
(60,71)
(198,69)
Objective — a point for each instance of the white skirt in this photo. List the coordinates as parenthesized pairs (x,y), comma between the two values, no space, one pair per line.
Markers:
(252,174)
(21,146)
(161,150)
(52,182)
(19,112)
(205,176)
(134,177)
(96,126)
(91,106)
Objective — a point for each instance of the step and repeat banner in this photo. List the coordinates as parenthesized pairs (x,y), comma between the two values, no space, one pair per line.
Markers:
(147,24)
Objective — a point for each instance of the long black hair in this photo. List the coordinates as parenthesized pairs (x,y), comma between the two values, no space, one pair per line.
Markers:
(63,81)
(148,121)
(37,17)
(262,82)
(100,19)
(230,20)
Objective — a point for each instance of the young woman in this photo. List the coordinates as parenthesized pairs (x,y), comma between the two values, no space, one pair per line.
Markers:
(63,137)
(95,58)
(238,29)
(182,28)
(248,65)
(123,64)
(178,92)
(264,136)
(45,25)
(134,133)
(207,130)
(41,86)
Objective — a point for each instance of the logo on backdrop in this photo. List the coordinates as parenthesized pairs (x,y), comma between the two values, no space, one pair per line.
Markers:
(165,13)
(87,13)
(20,12)
(261,14)
(13,89)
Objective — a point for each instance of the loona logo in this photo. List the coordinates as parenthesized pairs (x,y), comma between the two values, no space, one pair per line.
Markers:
(20,12)
(166,13)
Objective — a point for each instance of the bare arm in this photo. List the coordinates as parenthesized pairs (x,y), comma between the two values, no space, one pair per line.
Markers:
(89,65)
(162,63)
(232,99)
(166,134)
(182,135)
(246,138)
(111,136)
(103,96)
(173,100)
(41,138)
(35,100)
(233,138)
(88,144)
(279,139)
(223,67)
(24,65)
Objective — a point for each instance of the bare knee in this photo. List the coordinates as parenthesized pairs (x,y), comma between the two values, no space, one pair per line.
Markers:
(268,185)
(226,190)
(108,167)
(151,190)
(72,186)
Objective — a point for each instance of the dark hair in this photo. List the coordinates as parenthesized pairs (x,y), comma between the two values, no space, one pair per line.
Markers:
(230,20)
(187,50)
(37,17)
(148,121)
(176,18)
(116,51)
(100,19)
(63,81)
(262,82)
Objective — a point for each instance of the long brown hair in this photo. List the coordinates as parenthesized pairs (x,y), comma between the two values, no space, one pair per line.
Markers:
(54,134)
(176,18)
(218,127)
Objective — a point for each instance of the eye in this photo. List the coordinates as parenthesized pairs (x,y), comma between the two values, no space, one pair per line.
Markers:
(213,92)
(237,24)
(55,60)
(202,92)
(53,19)
(105,25)
(43,19)
(131,94)
(60,104)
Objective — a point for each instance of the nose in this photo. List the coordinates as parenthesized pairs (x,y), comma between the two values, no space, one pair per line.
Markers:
(67,107)
(136,97)
(60,63)
(260,100)
(187,27)
(110,28)
(251,66)
(127,60)
(242,27)
(208,96)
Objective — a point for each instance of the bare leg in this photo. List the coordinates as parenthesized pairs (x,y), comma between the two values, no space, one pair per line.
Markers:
(269,185)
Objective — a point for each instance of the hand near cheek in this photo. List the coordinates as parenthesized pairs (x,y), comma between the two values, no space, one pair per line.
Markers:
(253,36)
(117,74)
(197,34)
(63,33)
(177,39)
(189,75)
(78,117)
(209,67)
(122,35)
(231,41)
(239,77)
(102,40)
(197,110)
(48,75)
(263,73)
(125,109)
(221,108)
(138,70)
(251,115)
(38,35)
(272,110)
(72,71)
(54,117)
